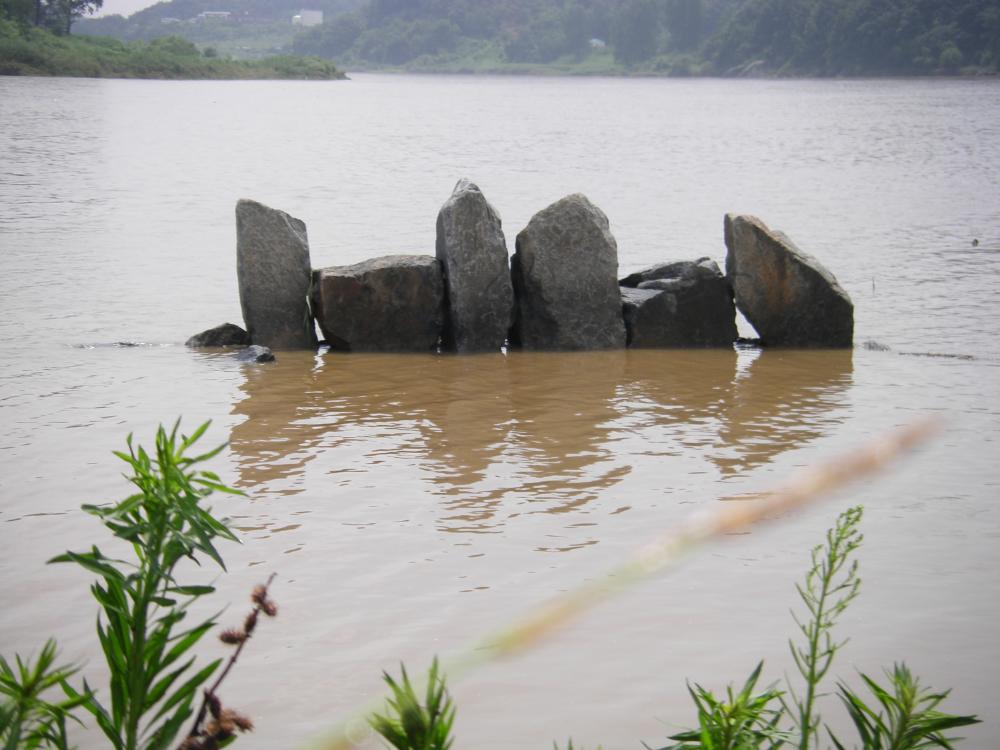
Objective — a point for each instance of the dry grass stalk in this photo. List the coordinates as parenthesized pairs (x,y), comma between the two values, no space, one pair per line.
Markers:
(800,490)
(215,725)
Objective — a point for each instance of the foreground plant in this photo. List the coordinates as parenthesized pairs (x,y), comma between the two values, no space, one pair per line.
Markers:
(831,584)
(153,682)
(742,720)
(409,724)
(28,718)
(908,719)
(215,726)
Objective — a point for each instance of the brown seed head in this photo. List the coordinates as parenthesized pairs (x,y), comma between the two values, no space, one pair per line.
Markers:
(269,608)
(232,636)
(241,722)
(251,622)
(259,595)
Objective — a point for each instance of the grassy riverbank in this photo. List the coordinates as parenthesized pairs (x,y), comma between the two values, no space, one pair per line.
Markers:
(35,51)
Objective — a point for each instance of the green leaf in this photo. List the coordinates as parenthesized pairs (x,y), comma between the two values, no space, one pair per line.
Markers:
(187,690)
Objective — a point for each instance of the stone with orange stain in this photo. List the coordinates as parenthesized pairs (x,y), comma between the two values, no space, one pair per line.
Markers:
(788,296)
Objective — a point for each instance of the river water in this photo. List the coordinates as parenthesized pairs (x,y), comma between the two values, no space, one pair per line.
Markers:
(412,504)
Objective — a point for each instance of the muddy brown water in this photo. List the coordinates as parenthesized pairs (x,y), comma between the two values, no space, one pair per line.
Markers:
(412,504)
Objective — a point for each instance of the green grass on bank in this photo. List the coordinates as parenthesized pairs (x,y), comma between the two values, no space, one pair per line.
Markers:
(34,51)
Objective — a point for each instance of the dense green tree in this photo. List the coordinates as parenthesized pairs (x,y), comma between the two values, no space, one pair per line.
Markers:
(332,39)
(636,31)
(65,12)
(542,41)
(684,19)
(855,37)
(22,11)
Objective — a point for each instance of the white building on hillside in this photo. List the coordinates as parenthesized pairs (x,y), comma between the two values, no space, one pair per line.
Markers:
(308,18)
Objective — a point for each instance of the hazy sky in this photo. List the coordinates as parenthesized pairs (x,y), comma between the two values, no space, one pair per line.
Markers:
(123,7)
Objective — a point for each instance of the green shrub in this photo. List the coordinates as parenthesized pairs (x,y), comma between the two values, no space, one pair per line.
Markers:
(409,724)
(744,721)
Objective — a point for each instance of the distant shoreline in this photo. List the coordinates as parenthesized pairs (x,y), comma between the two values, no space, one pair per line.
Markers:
(36,52)
(528,70)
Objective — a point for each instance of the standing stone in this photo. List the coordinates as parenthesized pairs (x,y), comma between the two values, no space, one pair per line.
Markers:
(273,269)
(473,255)
(786,294)
(389,304)
(683,304)
(565,280)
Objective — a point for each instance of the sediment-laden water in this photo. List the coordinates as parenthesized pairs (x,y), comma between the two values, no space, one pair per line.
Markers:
(412,504)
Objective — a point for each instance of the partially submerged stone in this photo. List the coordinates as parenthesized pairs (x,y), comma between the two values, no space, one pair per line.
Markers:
(227,334)
(255,353)
(788,296)
(565,280)
(683,304)
(273,270)
(473,255)
(389,304)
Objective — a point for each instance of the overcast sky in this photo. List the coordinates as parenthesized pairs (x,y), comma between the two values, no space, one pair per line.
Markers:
(123,7)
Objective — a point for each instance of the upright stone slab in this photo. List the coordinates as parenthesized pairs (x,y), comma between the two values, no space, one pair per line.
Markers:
(473,255)
(565,280)
(389,304)
(682,304)
(273,269)
(786,294)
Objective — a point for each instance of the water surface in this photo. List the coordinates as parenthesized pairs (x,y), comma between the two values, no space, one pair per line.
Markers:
(410,504)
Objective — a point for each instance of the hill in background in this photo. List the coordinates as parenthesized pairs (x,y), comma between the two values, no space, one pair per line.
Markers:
(665,37)
(237,28)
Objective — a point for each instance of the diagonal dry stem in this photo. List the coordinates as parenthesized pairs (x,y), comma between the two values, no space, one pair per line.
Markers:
(801,489)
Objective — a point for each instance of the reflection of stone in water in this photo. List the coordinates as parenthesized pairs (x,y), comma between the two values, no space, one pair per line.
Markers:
(676,401)
(272,445)
(784,399)
(525,432)
(450,411)
(736,415)
(556,414)
(681,385)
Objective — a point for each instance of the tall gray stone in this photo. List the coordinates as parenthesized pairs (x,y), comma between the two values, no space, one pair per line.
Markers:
(473,255)
(682,304)
(273,269)
(565,280)
(786,294)
(389,304)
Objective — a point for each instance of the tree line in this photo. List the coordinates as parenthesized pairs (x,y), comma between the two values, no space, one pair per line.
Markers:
(57,16)
(818,37)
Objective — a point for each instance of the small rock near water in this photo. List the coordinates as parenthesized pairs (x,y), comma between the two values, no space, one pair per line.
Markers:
(389,304)
(274,271)
(788,296)
(565,272)
(227,334)
(255,353)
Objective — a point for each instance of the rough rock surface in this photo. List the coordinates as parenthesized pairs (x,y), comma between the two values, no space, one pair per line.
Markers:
(273,269)
(691,305)
(565,280)
(786,294)
(228,334)
(255,353)
(473,255)
(389,304)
